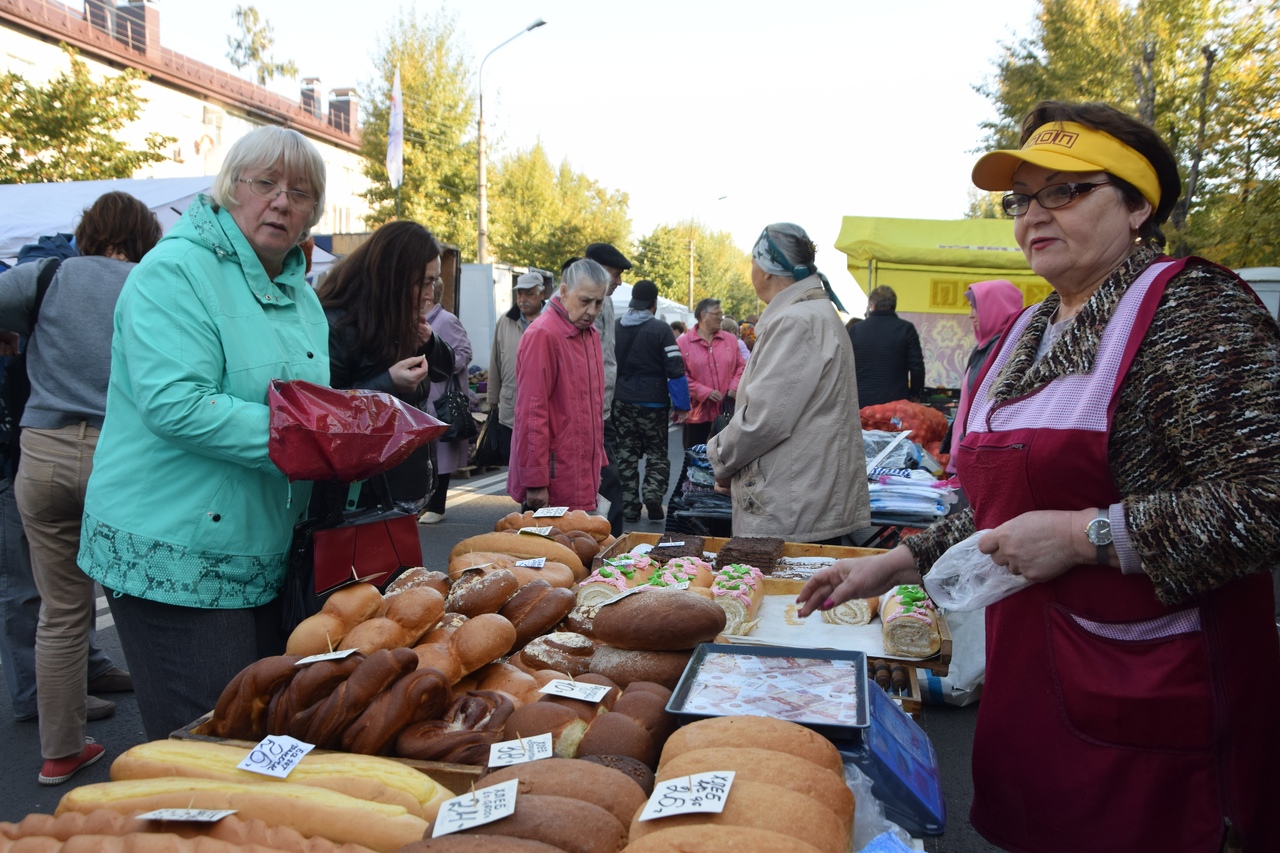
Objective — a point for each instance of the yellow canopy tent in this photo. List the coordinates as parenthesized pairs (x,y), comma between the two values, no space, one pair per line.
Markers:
(929,263)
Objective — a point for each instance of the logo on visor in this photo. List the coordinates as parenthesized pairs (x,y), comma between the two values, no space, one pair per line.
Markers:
(1064,138)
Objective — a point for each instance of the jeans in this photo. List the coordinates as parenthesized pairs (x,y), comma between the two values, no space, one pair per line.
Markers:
(181,658)
(20,612)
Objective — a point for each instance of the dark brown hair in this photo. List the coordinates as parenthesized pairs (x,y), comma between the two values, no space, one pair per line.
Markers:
(117,221)
(1137,135)
(376,287)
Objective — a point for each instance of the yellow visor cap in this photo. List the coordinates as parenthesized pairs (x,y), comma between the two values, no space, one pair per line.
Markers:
(1065,146)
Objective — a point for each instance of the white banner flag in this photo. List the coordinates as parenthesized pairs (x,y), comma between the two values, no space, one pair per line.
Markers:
(395,136)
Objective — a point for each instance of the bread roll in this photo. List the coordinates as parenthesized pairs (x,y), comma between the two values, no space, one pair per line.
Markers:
(536,608)
(618,734)
(353,604)
(516,683)
(522,547)
(377,633)
(561,651)
(313,684)
(375,674)
(537,718)
(763,806)
(716,838)
(318,633)
(624,666)
(574,826)
(241,711)
(611,790)
(663,693)
(758,764)
(739,731)
(420,576)
(478,844)
(650,711)
(577,519)
(472,595)
(416,609)
(660,620)
(419,695)
(482,640)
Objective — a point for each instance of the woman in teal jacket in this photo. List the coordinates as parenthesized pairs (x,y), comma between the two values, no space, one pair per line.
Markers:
(187,521)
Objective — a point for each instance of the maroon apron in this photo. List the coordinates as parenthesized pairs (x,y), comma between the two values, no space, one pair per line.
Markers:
(1110,721)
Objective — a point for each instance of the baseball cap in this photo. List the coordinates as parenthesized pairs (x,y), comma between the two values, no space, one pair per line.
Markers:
(643,294)
(529,280)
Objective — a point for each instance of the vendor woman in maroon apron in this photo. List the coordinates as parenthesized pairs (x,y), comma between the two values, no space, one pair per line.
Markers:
(1124,449)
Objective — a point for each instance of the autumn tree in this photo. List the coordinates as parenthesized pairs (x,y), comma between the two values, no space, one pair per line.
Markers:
(439,184)
(253,48)
(68,129)
(541,215)
(720,269)
(1204,73)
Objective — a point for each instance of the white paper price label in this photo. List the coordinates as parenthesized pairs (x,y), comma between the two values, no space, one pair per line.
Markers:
(551,512)
(670,544)
(625,593)
(701,792)
(680,585)
(476,808)
(326,656)
(575,690)
(520,751)
(642,549)
(275,756)
(536,531)
(533,563)
(188,815)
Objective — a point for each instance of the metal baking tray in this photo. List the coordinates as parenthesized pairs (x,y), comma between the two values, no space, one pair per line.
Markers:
(786,683)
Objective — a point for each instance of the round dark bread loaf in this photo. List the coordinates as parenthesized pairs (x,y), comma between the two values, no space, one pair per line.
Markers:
(574,826)
(618,734)
(624,666)
(636,770)
(660,620)
(610,789)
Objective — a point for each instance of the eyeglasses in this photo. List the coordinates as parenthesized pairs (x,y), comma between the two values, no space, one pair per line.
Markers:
(263,188)
(1050,198)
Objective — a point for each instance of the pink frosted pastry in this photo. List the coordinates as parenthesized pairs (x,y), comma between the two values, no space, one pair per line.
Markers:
(615,575)
(738,589)
(680,569)
(910,622)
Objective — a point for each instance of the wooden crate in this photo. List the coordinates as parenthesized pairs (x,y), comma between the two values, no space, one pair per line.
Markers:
(939,664)
(458,778)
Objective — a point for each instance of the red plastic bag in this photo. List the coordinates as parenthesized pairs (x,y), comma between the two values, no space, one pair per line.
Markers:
(322,433)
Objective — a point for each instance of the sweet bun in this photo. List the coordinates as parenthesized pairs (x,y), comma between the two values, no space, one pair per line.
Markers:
(474,594)
(536,608)
(516,683)
(618,734)
(735,731)
(317,634)
(610,789)
(355,603)
(521,547)
(574,826)
(705,838)
(416,609)
(482,640)
(624,666)
(419,576)
(561,651)
(763,806)
(659,619)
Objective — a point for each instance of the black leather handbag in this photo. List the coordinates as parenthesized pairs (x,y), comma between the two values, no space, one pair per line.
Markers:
(454,409)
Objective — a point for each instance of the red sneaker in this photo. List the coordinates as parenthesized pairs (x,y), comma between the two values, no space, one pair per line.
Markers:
(58,770)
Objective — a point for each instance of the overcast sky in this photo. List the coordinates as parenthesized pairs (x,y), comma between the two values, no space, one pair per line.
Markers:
(802,111)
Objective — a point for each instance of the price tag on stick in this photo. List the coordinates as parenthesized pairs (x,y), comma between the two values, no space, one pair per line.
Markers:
(276,756)
(576,690)
(701,792)
(188,815)
(326,656)
(520,751)
(551,512)
(544,532)
(533,563)
(476,808)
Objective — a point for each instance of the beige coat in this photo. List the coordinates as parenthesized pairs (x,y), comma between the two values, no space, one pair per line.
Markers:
(794,446)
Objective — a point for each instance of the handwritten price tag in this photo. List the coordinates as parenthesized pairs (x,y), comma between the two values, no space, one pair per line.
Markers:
(520,751)
(326,656)
(701,792)
(575,690)
(536,531)
(533,563)
(623,595)
(476,808)
(188,815)
(276,756)
(679,544)
(551,512)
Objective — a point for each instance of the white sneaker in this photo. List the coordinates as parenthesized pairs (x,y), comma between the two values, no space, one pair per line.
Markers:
(430,517)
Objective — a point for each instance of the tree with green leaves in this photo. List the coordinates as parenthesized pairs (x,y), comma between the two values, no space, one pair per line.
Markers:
(1204,73)
(439,184)
(253,48)
(720,269)
(541,215)
(68,129)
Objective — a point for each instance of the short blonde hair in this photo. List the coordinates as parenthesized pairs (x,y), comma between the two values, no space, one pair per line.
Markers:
(265,148)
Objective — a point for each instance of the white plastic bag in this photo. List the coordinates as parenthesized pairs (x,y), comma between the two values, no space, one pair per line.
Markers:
(965,579)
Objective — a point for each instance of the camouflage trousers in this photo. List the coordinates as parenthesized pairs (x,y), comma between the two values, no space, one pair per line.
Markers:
(642,434)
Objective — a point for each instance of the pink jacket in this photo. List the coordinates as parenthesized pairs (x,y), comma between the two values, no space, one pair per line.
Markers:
(715,366)
(558,438)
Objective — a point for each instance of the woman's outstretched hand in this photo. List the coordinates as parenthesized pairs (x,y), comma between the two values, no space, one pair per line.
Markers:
(859,577)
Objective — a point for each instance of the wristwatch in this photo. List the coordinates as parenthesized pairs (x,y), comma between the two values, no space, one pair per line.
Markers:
(1099,533)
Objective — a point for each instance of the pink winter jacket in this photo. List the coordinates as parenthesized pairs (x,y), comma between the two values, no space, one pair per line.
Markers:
(558,438)
(715,366)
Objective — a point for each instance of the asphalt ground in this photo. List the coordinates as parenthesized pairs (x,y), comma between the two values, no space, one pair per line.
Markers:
(473,507)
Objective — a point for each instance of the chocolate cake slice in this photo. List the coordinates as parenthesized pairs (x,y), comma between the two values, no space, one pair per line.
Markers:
(674,545)
(759,551)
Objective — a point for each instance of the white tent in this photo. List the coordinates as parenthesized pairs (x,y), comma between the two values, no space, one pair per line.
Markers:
(31,211)
(668,309)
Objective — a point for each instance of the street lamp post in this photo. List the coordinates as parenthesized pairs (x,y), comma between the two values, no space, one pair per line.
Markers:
(482,237)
